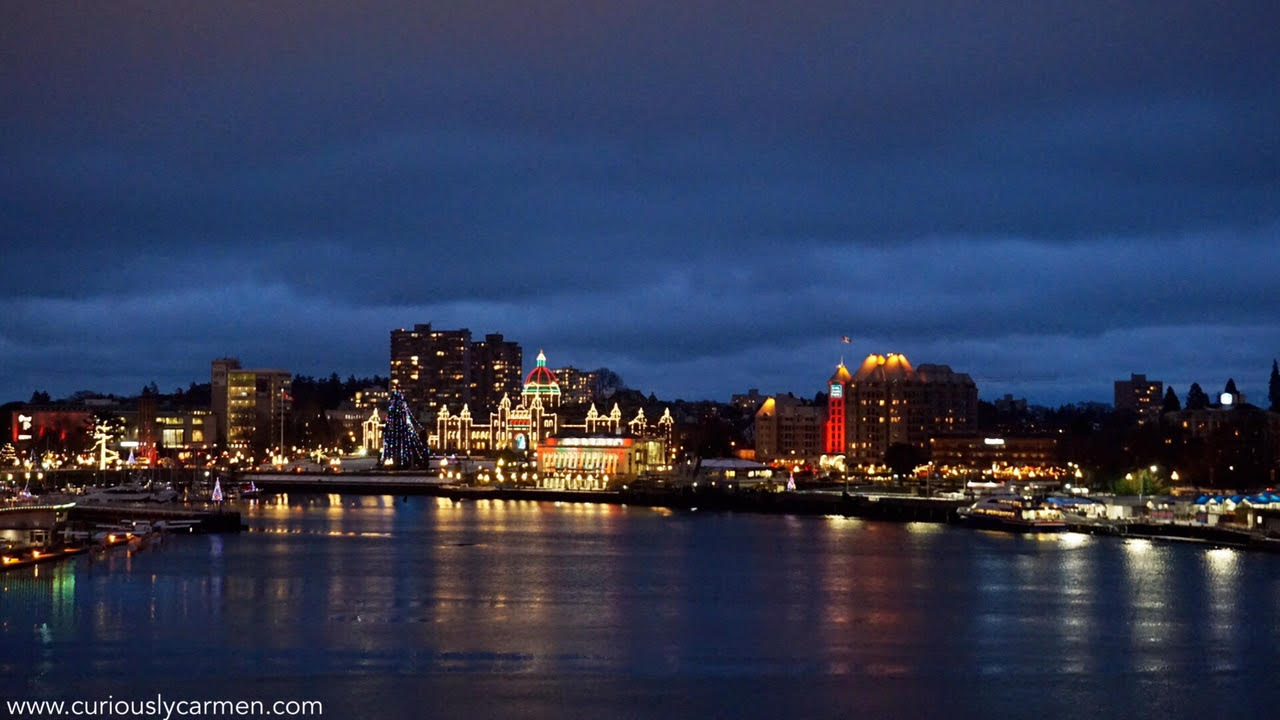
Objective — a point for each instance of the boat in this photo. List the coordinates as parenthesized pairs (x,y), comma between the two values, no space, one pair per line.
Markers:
(1013,513)
(248,490)
(132,493)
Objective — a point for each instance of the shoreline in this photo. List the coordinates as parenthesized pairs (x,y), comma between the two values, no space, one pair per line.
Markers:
(884,507)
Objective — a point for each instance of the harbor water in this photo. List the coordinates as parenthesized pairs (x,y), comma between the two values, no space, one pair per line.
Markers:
(383,606)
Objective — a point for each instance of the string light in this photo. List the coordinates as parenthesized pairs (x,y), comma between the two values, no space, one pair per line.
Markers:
(402,445)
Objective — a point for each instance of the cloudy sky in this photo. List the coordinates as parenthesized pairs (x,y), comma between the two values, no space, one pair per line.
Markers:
(704,196)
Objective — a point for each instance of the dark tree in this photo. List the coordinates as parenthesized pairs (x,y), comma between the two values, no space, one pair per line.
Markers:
(1197,399)
(1273,387)
(1171,403)
(903,458)
(606,384)
(1231,387)
(40,397)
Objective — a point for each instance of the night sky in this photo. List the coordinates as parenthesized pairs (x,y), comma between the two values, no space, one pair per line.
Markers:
(703,196)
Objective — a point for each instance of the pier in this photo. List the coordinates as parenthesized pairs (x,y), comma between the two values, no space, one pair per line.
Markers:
(197,519)
(881,506)
(64,529)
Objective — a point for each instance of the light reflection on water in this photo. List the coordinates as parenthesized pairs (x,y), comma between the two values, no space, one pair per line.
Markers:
(356,590)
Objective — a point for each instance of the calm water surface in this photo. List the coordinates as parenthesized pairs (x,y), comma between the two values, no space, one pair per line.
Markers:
(382,607)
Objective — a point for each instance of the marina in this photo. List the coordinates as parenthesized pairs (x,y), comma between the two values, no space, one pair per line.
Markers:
(40,531)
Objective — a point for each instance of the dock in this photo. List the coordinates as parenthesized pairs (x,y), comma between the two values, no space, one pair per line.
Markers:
(199,519)
(70,529)
(884,506)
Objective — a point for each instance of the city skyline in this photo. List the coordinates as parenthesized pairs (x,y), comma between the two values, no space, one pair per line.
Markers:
(703,199)
(1253,391)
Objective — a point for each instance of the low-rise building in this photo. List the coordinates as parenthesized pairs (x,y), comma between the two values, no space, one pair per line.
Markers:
(592,462)
(972,454)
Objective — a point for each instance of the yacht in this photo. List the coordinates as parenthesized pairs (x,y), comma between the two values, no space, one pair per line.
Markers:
(1013,513)
(131,493)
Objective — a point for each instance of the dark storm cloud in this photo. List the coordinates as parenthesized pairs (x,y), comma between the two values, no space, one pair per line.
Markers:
(702,195)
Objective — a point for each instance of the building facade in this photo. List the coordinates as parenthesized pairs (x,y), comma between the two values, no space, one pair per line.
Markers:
(576,386)
(431,368)
(1143,397)
(888,401)
(593,462)
(250,406)
(444,368)
(525,424)
(496,367)
(786,426)
(971,454)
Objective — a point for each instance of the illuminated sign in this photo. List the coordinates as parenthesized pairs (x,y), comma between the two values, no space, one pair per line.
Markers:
(25,421)
(837,390)
(592,442)
(1227,399)
(993,441)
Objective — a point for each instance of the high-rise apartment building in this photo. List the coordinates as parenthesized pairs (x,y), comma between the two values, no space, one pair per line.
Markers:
(431,367)
(497,367)
(1142,396)
(887,401)
(444,368)
(251,405)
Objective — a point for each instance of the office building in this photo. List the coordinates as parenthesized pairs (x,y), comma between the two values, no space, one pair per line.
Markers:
(251,406)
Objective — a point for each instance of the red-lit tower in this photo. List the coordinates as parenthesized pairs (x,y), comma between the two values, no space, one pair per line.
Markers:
(833,442)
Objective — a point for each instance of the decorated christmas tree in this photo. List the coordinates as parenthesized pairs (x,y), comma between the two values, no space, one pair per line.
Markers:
(402,445)
(8,456)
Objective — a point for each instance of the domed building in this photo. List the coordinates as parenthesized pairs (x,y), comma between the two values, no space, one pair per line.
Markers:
(541,384)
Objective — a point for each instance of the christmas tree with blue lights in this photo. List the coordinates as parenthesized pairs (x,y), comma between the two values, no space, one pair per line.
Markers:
(402,445)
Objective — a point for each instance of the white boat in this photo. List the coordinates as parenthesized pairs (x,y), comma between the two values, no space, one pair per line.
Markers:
(1013,513)
(131,493)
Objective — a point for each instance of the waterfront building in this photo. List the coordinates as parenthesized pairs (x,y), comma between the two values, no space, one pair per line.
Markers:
(1140,396)
(51,426)
(787,426)
(592,461)
(888,401)
(1005,456)
(250,405)
(523,425)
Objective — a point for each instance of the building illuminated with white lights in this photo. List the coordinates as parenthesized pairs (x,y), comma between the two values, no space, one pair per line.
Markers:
(525,425)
